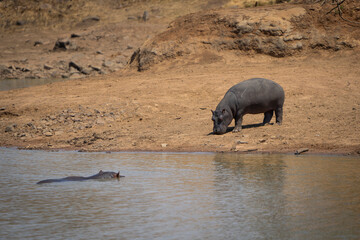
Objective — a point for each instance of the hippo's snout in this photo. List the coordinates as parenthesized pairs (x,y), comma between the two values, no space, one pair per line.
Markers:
(219,130)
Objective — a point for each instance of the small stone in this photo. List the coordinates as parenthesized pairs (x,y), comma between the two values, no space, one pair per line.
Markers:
(96,68)
(22,135)
(48,134)
(240,142)
(75,35)
(75,65)
(5,70)
(76,75)
(145,16)
(164,145)
(47,67)
(64,44)
(20,22)
(37,43)
(30,125)
(10,128)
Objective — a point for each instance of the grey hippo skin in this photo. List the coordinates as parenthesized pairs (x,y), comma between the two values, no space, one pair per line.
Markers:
(100,175)
(253,96)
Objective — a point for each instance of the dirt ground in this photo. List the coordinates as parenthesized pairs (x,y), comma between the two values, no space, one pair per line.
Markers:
(166,106)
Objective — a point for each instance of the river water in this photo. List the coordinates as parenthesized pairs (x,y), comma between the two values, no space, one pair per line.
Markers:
(179,196)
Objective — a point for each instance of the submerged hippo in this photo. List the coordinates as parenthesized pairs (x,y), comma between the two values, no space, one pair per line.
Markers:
(100,175)
(256,95)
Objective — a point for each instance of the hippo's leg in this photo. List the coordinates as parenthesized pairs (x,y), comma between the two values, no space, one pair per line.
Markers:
(279,115)
(238,123)
(268,116)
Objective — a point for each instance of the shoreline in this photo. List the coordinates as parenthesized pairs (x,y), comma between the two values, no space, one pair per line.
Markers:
(309,153)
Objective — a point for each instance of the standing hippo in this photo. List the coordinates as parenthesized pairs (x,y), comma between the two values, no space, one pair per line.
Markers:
(100,175)
(256,95)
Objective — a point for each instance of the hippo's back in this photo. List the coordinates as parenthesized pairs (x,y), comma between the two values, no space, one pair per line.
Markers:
(256,95)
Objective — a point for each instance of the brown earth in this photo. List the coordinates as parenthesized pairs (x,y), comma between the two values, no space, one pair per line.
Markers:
(161,100)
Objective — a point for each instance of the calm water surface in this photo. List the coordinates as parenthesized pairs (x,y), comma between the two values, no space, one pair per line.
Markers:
(179,196)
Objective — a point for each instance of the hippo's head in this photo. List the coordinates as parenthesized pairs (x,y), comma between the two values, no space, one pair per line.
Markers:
(221,119)
(106,175)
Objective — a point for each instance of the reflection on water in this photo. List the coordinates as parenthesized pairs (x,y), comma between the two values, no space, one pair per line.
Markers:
(9,84)
(179,196)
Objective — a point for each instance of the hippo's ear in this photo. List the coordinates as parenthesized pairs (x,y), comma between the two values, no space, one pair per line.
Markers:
(118,175)
(212,112)
(100,172)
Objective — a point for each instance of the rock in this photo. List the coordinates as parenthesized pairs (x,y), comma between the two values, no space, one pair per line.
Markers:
(76,75)
(47,67)
(22,134)
(145,16)
(243,28)
(37,43)
(30,125)
(96,68)
(293,37)
(297,46)
(55,74)
(48,134)
(23,69)
(271,29)
(79,68)
(75,35)
(10,128)
(64,44)
(20,22)
(4,70)
(164,145)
